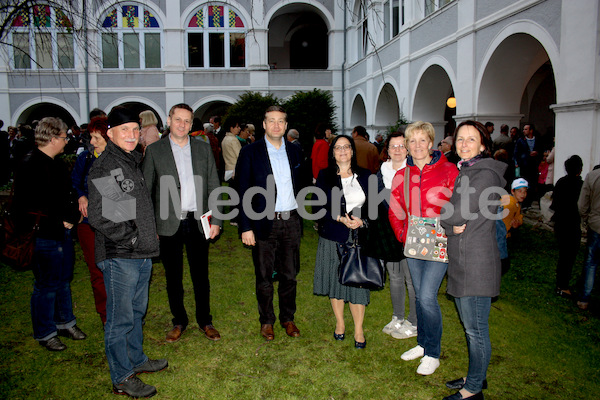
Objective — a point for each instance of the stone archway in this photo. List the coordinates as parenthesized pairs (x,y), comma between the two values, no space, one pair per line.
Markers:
(358,114)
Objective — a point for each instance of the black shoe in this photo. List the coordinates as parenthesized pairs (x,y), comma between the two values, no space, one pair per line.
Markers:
(339,336)
(151,366)
(360,345)
(458,384)
(53,344)
(458,396)
(134,387)
(73,333)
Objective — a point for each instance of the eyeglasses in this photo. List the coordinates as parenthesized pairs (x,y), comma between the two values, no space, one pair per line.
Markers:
(342,148)
(397,147)
(65,138)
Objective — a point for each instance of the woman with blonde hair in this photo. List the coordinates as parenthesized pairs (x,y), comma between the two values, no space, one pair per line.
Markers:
(430,184)
(149,132)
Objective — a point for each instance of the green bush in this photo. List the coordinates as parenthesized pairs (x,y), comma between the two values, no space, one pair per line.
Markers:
(250,109)
(306,110)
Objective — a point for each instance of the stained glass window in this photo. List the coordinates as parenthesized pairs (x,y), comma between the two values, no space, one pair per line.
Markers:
(216,38)
(132,39)
(42,38)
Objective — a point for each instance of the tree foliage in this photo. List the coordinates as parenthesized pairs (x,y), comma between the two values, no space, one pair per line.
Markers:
(305,110)
(250,109)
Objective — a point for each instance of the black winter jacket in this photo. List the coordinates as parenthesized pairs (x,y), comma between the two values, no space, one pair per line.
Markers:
(120,208)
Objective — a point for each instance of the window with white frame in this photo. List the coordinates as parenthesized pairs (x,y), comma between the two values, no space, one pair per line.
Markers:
(362,30)
(392,17)
(216,38)
(433,5)
(42,38)
(131,38)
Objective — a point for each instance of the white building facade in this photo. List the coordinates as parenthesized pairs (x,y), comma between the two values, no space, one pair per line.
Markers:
(504,61)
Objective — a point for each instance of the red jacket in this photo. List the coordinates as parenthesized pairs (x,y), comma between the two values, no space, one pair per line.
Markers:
(320,152)
(429,189)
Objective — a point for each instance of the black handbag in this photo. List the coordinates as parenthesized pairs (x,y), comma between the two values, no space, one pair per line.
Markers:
(357,269)
(16,245)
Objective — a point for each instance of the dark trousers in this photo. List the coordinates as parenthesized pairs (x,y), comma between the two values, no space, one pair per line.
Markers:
(279,253)
(568,238)
(171,253)
(86,240)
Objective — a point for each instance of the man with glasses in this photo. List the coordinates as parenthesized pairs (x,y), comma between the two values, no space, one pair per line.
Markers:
(120,210)
(271,224)
(43,193)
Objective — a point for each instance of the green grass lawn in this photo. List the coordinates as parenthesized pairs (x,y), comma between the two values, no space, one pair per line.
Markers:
(543,346)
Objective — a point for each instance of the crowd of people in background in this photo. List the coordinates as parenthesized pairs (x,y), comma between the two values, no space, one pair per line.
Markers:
(125,155)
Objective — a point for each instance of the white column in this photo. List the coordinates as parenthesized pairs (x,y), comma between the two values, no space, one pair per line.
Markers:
(578,82)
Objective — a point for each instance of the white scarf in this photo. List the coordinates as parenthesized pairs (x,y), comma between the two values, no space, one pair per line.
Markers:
(388,172)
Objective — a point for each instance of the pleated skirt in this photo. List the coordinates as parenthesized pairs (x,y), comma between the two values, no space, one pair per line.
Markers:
(326,280)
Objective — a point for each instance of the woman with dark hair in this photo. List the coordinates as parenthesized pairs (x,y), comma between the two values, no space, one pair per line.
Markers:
(97,128)
(335,227)
(430,183)
(567,222)
(469,219)
(320,151)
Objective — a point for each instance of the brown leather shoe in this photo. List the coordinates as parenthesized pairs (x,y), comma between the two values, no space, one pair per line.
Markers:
(266,330)
(174,334)
(291,329)
(210,332)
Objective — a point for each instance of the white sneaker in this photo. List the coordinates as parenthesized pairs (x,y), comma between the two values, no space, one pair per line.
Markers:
(394,324)
(407,330)
(413,354)
(428,365)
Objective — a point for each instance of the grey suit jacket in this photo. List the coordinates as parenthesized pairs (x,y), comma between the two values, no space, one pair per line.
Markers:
(160,172)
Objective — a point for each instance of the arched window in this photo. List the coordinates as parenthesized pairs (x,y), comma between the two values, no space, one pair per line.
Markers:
(131,38)
(216,38)
(42,38)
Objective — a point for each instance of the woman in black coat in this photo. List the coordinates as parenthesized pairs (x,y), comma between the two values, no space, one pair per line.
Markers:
(342,176)
(474,260)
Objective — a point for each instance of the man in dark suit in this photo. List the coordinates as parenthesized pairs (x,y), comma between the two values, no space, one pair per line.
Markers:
(183,165)
(270,223)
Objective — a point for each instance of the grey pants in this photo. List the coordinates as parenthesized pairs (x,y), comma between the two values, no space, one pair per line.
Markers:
(399,276)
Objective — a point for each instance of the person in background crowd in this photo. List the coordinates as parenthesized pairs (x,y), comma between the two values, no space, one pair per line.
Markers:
(126,241)
(231,146)
(209,130)
(567,222)
(527,156)
(503,142)
(474,260)
(589,209)
(511,220)
(79,177)
(342,173)
(379,142)
(320,150)
(366,152)
(149,132)
(395,262)
(42,189)
(431,181)
(448,150)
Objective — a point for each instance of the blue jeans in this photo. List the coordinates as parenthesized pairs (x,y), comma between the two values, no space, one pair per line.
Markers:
(427,277)
(51,304)
(126,283)
(591,262)
(474,313)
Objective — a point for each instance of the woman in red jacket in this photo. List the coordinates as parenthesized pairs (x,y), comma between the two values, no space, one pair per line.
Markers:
(320,150)
(431,183)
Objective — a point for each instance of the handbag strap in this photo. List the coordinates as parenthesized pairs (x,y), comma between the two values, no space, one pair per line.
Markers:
(406,189)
